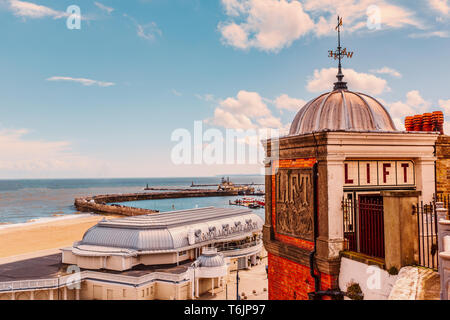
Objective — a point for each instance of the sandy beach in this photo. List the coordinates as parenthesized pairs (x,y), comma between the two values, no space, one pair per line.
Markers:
(29,238)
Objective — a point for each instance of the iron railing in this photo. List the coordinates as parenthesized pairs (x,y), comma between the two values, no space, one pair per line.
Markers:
(428,234)
(350,230)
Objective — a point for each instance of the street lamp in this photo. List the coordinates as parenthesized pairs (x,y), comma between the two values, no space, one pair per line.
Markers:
(237,283)
(57,288)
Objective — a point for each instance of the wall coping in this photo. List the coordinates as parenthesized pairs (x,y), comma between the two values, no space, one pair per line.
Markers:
(362,258)
(401,194)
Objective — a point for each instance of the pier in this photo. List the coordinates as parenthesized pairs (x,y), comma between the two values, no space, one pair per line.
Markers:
(102,203)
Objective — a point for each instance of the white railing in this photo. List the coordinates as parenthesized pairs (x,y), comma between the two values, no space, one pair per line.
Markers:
(244,251)
(67,280)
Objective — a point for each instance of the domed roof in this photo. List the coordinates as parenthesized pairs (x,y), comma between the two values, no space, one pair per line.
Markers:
(210,258)
(342,110)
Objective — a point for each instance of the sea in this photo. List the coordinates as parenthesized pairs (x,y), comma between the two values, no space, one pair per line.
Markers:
(33,200)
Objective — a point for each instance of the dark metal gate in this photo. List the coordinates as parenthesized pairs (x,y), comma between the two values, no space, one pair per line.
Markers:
(371,225)
(428,234)
(364,225)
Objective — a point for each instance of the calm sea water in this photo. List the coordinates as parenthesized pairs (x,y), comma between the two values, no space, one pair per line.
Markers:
(24,200)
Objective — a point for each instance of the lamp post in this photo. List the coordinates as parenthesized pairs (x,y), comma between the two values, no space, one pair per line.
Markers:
(12,292)
(237,283)
(57,288)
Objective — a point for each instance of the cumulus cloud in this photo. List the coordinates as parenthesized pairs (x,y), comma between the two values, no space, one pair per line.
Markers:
(355,14)
(284,102)
(323,79)
(445,104)
(83,81)
(387,70)
(441,6)
(229,120)
(248,110)
(20,156)
(31,10)
(268,25)
(414,104)
(271,25)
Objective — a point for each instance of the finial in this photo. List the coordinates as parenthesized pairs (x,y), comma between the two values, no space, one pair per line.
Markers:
(338,55)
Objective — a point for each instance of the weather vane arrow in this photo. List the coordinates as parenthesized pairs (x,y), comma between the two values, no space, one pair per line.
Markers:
(339,54)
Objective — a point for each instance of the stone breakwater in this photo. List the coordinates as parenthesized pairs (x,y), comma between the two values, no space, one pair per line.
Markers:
(101,203)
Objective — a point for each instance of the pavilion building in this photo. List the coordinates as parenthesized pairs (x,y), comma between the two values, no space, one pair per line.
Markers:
(172,255)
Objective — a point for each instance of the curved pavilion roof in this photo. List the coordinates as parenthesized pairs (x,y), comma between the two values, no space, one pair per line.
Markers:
(169,231)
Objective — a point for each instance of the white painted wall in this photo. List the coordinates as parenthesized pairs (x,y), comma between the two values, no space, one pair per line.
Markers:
(375,283)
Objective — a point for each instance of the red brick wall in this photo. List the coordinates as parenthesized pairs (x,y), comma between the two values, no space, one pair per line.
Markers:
(291,281)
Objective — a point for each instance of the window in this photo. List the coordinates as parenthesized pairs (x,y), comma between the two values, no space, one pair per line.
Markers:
(182,253)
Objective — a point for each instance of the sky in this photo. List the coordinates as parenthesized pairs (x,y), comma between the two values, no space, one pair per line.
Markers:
(99,93)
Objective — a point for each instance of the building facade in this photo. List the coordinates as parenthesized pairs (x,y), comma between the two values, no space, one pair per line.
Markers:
(325,187)
(172,255)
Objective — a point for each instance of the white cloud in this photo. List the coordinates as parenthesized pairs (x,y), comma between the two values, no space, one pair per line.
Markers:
(32,10)
(109,10)
(414,104)
(284,102)
(323,80)
(148,31)
(248,103)
(208,97)
(355,14)
(441,6)
(229,120)
(271,25)
(245,111)
(445,104)
(268,25)
(177,93)
(270,122)
(438,34)
(83,81)
(387,70)
(24,157)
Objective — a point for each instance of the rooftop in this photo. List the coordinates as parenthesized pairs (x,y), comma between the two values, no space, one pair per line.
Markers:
(168,231)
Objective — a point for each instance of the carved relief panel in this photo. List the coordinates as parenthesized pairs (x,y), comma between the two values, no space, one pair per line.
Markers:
(295,202)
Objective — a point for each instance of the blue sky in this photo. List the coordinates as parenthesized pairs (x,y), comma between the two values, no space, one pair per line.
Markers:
(103,101)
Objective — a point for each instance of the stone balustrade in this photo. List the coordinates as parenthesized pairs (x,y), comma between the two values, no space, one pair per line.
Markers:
(444,251)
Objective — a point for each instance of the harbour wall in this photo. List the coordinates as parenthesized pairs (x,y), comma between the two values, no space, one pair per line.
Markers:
(101,203)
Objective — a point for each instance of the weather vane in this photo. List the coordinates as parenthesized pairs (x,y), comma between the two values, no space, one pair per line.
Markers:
(338,55)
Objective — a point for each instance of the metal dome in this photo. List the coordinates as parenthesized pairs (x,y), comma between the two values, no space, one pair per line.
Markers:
(210,258)
(342,110)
